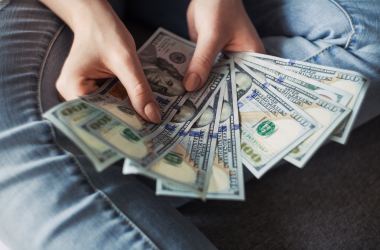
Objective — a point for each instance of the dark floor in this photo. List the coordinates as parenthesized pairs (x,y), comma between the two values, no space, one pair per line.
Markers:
(333,203)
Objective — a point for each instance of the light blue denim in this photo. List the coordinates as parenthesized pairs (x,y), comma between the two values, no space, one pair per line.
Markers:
(51,198)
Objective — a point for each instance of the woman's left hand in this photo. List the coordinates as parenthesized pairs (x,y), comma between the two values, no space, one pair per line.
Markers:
(217,25)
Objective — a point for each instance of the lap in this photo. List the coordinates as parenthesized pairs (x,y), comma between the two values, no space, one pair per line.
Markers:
(337,33)
(51,198)
(293,28)
(350,25)
(343,34)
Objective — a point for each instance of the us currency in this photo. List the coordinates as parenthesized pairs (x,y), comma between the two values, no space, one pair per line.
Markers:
(226,180)
(271,125)
(164,58)
(188,164)
(327,114)
(67,117)
(145,151)
(195,156)
(350,81)
(329,92)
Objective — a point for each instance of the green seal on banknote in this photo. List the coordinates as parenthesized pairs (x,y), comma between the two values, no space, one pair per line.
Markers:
(173,158)
(128,133)
(266,128)
(296,150)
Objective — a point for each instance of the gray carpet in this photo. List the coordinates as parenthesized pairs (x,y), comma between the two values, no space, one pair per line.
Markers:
(333,203)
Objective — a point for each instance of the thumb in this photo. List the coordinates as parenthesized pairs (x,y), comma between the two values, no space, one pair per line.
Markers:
(131,75)
(201,63)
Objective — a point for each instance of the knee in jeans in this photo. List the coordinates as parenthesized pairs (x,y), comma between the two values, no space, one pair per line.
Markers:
(330,22)
(4,3)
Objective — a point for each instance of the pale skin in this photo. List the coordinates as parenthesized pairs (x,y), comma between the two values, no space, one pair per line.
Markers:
(103,47)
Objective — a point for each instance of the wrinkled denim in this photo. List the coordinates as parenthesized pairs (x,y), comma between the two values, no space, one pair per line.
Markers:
(341,33)
(50,196)
(51,199)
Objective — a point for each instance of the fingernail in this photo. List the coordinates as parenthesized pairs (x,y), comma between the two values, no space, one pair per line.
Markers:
(152,111)
(192,82)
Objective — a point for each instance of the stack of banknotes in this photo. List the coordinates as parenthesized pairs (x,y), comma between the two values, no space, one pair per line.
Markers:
(253,111)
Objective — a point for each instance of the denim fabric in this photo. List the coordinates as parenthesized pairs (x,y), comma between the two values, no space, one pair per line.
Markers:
(4,3)
(340,33)
(50,196)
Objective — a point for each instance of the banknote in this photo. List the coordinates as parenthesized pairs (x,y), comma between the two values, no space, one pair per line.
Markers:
(326,113)
(144,151)
(253,110)
(188,163)
(186,166)
(350,81)
(227,181)
(271,125)
(329,92)
(67,117)
(192,162)
(164,58)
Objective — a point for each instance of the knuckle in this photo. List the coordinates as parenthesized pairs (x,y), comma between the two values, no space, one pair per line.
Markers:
(70,88)
(140,91)
(203,61)
(132,44)
(212,38)
(59,85)
(121,56)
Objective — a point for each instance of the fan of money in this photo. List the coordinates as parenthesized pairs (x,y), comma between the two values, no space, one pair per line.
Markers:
(254,111)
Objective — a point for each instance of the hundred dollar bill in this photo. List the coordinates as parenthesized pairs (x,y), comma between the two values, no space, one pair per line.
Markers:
(271,125)
(350,81)
(193,159)
(328,114)
(164,58)
(67,117)
(144,151)
(329,92)
(227,181)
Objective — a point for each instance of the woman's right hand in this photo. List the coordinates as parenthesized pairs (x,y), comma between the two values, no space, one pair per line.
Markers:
(102,48)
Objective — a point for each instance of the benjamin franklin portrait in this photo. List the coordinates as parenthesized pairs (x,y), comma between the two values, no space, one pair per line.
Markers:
(243,84)
(185,113)
(163,77)
(226,111)
(206,118)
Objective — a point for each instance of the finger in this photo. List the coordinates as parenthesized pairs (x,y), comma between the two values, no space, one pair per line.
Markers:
(246,39)
(76,89)
(71,85)
(131,75)
(201,63)
(246,43)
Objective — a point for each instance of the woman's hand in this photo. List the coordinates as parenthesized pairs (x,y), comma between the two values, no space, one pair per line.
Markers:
(102,48)
(217,25)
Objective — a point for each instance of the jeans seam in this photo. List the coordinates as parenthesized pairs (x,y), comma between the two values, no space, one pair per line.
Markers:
(75,160)
(349,39)
(43,65)
(4,4)
(353,32)
(318,53)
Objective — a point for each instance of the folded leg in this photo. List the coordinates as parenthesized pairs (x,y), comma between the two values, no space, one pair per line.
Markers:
(343,34)
(51,199)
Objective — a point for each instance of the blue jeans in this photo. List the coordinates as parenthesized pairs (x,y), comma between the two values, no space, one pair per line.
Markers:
(50,196)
